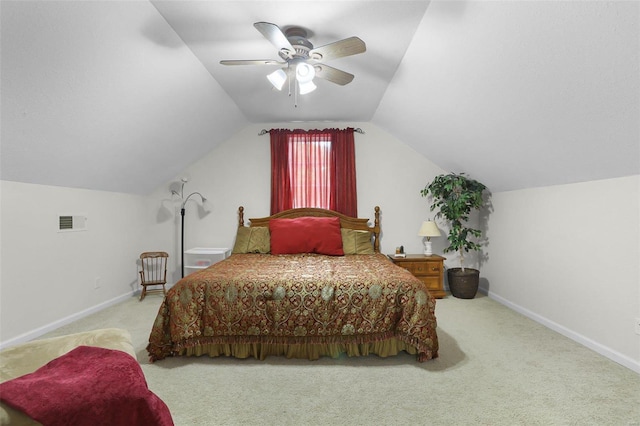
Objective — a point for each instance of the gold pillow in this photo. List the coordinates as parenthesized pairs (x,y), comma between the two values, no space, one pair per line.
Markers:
(252,240)
(356,242)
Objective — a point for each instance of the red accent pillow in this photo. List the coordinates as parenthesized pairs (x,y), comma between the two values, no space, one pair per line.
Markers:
(306,235)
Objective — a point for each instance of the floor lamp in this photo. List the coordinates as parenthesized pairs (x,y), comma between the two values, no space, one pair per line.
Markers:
(184,202)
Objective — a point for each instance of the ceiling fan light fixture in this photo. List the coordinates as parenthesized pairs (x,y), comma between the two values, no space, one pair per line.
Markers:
(305,73)
(296,50)
(307,87)
(277,78)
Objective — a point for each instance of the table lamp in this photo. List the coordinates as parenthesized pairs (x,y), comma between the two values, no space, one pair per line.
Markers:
(428,229)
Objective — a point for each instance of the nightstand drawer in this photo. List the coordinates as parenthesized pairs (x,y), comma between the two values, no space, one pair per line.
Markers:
(422,268)
(431,283)
(413,267)
(433,268)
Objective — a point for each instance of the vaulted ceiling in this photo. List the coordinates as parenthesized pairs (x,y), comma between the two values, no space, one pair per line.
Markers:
(122,96)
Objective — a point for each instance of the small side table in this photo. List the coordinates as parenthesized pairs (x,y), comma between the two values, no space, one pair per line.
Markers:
(428,269)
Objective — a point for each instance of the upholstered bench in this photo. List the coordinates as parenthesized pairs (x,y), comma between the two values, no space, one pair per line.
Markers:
(28,357)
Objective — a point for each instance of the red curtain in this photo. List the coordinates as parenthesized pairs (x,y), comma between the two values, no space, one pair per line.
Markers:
(344,173)
(313,168)
(280,182)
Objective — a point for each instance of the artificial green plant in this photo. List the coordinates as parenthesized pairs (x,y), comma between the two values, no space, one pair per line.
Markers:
(455,195)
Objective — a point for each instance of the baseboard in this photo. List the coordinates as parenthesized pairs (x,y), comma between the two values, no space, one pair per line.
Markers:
(585,341)
(64,321)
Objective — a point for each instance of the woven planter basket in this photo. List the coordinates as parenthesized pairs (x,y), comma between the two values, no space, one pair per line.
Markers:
(463,285)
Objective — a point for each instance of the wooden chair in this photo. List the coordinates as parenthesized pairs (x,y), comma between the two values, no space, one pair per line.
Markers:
(153,271)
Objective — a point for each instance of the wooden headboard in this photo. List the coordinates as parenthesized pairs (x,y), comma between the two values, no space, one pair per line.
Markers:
(345,221)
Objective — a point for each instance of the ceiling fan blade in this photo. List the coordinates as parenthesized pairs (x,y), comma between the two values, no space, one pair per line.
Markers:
(347,47)
(274,34)
(252,62)
(333,75)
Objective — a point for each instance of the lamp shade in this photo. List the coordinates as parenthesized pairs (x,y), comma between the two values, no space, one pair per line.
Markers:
(429,229)
(305,73)
(277,78)
(307,87)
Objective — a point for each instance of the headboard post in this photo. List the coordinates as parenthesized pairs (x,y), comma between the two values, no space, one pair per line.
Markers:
(376,226)
(240,217)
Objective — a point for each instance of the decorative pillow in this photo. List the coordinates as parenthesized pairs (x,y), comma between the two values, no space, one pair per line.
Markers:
(356,242)
(252,240)
(306,235)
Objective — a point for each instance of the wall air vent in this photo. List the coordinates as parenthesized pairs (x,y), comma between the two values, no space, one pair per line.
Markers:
(68,223)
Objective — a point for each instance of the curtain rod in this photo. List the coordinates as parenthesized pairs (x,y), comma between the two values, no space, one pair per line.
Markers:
(265,131)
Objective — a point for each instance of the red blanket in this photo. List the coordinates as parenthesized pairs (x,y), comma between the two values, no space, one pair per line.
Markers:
(87,386)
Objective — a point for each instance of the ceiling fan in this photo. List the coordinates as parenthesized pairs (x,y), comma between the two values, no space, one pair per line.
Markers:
(301,59)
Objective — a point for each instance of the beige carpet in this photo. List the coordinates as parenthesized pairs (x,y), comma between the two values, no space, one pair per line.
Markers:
(496,367)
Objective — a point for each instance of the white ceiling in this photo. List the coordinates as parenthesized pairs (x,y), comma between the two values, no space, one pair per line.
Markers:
(123,95)
(522,93)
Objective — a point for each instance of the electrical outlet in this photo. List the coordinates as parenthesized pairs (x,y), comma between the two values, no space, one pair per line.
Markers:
(97,283)
(637,325)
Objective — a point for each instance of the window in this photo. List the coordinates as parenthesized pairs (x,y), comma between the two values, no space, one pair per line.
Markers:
(313,169)
(309,162)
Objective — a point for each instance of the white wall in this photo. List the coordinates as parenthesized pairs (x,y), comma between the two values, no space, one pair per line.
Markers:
(568,256)
(103,95)
(389,175)
(48,277)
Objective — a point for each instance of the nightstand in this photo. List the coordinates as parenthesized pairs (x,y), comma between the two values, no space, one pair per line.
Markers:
(428,269)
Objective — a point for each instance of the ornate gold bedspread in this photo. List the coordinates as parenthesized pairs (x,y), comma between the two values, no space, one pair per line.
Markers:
(301,299)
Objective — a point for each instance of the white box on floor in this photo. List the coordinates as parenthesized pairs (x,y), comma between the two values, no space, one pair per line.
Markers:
(199,258)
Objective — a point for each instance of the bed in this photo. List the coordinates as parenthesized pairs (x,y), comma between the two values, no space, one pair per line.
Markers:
(303,283)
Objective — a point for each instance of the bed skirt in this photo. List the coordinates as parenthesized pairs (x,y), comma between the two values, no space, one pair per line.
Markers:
(310,351)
